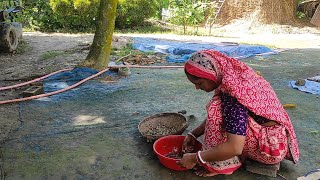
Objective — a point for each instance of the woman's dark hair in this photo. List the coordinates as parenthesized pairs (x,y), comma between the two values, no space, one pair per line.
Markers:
(190,75)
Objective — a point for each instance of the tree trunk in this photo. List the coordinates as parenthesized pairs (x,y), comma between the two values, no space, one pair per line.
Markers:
(264,11)
(99,54)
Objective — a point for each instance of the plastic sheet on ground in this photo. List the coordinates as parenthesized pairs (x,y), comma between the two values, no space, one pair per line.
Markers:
(179,52)
(65,79)
(312,87)
(315,78)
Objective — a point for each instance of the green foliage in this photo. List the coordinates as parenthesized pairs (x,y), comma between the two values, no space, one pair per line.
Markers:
(132,13)
(301,15)
(38,15)
(60,15)
(163,4)
(76,15)
(80,15)
(197,14)
(210,12)
(4,4)
(186,13)
(180,10)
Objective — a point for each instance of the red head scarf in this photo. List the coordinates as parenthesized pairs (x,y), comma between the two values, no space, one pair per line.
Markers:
(200,66)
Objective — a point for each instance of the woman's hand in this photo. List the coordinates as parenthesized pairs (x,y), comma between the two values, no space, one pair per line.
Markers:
(189,144)
(188,160)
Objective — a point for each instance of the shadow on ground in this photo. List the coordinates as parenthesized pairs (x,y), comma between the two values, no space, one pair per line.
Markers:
(91,132)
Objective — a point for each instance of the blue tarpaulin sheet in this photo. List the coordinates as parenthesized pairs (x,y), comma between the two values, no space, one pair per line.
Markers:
(312,87)
(65,79)
(178,52)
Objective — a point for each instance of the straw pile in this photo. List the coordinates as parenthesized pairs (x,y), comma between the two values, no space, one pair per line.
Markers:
(262,11)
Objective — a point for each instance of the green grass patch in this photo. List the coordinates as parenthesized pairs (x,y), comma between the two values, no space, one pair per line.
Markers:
(50,54)
(23,47)
(258,44)
(149,26)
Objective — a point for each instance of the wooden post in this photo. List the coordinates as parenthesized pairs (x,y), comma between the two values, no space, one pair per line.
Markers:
(316,17)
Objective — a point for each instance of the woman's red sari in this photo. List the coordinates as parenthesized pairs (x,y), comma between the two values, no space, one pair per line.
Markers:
(267,145)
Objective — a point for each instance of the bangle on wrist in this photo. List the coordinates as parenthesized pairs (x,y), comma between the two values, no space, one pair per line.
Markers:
(189,133)
(199,158)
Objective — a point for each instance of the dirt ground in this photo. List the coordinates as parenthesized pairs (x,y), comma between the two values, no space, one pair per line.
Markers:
(15,68)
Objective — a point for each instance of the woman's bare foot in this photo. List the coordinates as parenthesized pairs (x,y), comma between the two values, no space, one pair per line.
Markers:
(200,171)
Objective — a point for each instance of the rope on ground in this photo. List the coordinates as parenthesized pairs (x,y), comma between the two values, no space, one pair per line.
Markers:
(55,92)
(32,81)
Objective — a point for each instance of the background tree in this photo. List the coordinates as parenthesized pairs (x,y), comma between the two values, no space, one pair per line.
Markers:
(211,9)
(186,13)
(264,11)
(99,54)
